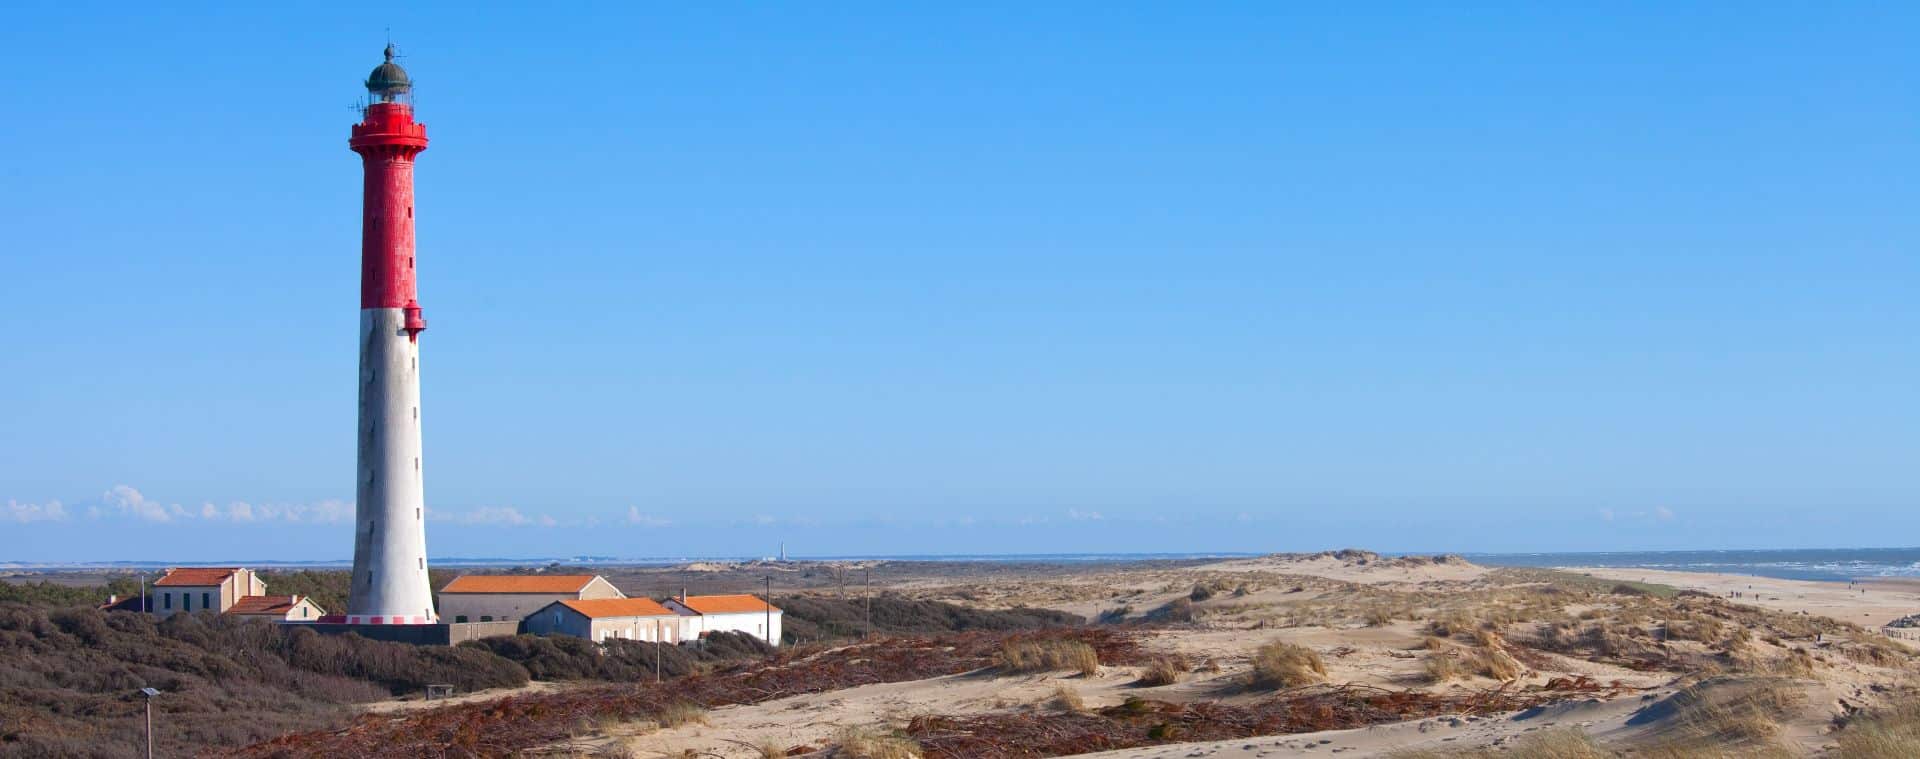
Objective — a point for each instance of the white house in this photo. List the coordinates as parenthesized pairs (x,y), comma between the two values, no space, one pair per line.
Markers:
(495,598)
(700,615)
(601,619)
(228,590)
(203,589)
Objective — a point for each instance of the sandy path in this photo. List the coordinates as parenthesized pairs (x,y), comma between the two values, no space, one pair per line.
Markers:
(415,703)
(1870,604)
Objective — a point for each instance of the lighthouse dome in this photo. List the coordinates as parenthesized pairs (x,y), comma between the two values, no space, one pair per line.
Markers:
(388,79)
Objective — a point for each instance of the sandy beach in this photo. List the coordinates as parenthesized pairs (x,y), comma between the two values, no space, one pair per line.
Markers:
(1870,603)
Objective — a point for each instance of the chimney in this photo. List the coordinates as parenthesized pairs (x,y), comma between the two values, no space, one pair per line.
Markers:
(112,599)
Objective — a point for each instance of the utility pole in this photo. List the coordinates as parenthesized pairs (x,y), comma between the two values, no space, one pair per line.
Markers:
(144,608)
(769,602)
(867,616)
(656,652)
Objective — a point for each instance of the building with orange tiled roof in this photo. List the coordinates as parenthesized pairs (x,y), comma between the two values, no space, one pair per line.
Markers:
(278,608)
(701,615)
(492,598)
(187,589)
(227,590)
(602,619)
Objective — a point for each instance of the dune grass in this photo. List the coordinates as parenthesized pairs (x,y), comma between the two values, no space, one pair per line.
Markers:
(1284,665)
(1067,699)
(870,743)
(1030,656)
(1893,734)
(1165,670)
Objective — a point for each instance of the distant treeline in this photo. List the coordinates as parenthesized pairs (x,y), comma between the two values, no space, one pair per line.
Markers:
(43,593)
(813,618)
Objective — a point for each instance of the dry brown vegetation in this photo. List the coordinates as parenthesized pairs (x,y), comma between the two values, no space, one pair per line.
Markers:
(1066,699)
(519,723)
(1165,670)
(680,713)
(1284,665)
(873,743)
(1147,722)
(1025,656)
(1890,734)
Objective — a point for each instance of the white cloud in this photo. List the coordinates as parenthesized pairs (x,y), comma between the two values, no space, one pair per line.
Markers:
(634,517)
(1084,516)
(493,516)
(125,501)
(1663,513)
(51,511)
(131,503)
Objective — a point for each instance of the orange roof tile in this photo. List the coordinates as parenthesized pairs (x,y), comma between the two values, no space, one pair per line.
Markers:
(197,577)
(275,605)
(597,608)
(726,604)
(518,584)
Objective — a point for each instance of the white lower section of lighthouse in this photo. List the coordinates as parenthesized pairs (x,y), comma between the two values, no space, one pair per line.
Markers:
(390,528)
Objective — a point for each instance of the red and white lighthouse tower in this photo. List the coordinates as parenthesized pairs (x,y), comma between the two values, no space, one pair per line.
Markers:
(390,539)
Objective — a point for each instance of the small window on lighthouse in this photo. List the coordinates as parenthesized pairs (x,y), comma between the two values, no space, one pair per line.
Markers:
(423,562)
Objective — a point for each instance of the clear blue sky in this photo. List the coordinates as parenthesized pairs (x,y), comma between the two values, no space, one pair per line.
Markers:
(926,278)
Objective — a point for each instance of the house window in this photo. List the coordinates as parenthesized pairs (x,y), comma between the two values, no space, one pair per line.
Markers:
(166,599)
(462,619)
(186,602)
(486,617)
(206,600)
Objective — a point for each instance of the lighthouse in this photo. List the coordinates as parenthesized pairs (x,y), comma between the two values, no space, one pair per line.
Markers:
(390,531)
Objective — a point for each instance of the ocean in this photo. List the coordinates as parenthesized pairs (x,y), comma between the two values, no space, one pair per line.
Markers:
(1838,564)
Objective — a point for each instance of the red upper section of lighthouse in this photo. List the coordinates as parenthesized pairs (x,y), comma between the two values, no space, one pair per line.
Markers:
(387,139)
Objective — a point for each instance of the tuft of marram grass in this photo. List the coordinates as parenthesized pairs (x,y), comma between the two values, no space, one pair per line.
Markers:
(1284,665)
(1893,734)
(769,748)
(1165,670)
(869,743)
(681,713)
(1444,666)
(1067,699)
(1027,656)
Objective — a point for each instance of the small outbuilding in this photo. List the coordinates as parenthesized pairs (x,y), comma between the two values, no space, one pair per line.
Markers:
(729,613)
(601,619)
(277,608)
